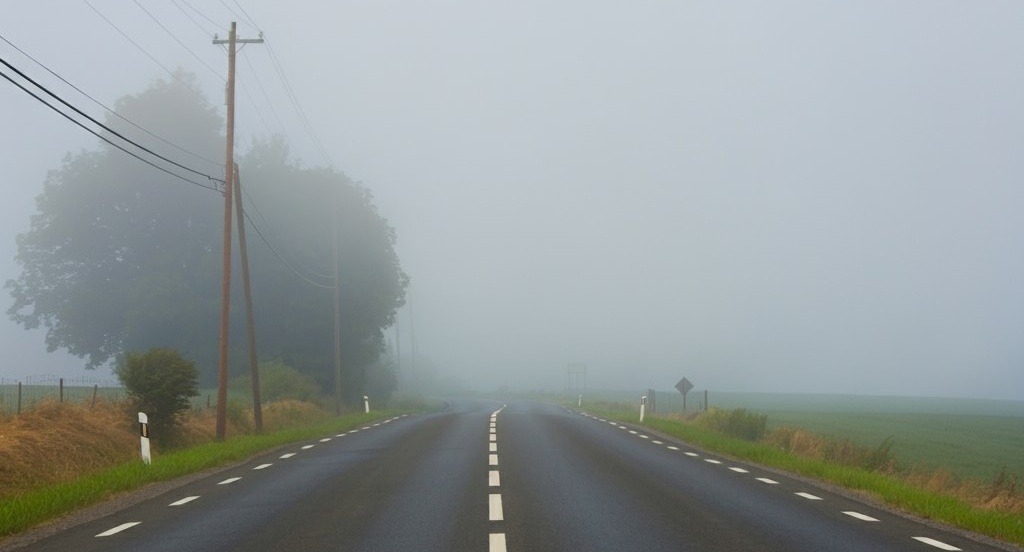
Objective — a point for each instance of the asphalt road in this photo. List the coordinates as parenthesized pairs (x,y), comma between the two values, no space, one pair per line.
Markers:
(485,476)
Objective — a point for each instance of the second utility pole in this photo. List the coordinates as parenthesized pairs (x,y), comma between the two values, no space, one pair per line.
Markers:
(229,172)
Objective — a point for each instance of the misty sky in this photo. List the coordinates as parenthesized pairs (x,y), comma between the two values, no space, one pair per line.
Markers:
(760,196)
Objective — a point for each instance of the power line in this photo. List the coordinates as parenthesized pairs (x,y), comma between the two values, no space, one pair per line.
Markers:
(103,126)
(281,258)
(263,90)
(150,56)
(104,138)
(203,15)
(192,19)
(187,49)
(295,103)
(113,112)
(267,223)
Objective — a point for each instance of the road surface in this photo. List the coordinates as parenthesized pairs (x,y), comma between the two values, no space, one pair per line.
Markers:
(483,475)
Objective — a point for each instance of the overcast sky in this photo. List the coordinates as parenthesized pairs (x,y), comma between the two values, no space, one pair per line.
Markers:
(760,196)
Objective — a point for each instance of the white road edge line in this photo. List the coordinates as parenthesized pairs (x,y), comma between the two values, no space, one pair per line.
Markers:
(691,454)
(229,481)
(860,516)
(286,456)
(657,442)
(325,440)
(497,542)
(738,470)
(307,447)
(262,466)
(670,447)
(118,529)
(768,481)
(185,500)
(494,509)
(937,544)
(808,496)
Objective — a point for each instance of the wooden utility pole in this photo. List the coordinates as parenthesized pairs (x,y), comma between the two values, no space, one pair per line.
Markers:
(250,322)
(337,310)
(229,171)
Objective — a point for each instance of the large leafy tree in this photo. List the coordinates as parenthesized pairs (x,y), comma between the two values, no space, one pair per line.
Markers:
(121,257)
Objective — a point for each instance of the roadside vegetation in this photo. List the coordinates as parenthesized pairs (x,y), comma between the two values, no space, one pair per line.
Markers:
(994,508)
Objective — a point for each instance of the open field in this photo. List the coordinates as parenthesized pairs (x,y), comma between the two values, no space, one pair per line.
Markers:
(971,438)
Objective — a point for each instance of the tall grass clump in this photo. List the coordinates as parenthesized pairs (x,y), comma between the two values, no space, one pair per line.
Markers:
(737,423)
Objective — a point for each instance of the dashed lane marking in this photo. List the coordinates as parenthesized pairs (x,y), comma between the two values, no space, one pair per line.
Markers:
(643,436)
(307,447)
(325,440)
(493,478)
(229,481)
(493,437)
(493,447)
(808,496)
(768,481)
(185,500)
(492,459)
(670,447)
(937,544)
(118,529)
(738,470)
(712,461)
(495,512)
(691,454)
(657,442)
(497,542)
(287,456)
(262,466)
(860,516)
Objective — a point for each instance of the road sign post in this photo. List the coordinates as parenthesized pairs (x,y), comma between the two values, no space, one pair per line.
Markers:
(684,386)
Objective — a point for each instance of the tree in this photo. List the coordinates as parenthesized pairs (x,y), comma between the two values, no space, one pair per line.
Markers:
(161,383)
(123,257)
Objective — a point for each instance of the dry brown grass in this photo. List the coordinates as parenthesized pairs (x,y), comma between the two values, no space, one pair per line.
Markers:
(57,442)
(1002,493)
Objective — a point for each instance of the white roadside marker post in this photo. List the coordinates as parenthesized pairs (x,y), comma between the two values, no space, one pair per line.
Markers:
(643,405)
(144,437)
(366,404)
(579,404)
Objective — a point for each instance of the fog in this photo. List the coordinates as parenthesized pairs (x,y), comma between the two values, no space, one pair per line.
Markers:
(760,196)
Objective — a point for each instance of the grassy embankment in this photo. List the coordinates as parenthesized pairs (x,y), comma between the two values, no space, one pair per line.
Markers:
(995,509)
(62,457)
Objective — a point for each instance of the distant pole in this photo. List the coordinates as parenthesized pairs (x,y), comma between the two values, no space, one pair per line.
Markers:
(250,324)
(337,309)
(61,389)
(144,438)
(707,406)
(229,171)
(643,405)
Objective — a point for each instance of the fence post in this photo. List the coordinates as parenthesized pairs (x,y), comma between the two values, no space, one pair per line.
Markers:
(19,398)
(95,389)
(61,390)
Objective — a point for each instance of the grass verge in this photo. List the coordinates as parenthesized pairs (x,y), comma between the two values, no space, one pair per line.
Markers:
(887,488)
(24,510)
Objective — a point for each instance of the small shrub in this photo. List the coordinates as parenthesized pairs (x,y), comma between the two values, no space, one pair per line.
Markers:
(278,382)
(161,383)
(737,423)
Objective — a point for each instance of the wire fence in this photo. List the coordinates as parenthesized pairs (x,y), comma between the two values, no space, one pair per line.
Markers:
(18,395)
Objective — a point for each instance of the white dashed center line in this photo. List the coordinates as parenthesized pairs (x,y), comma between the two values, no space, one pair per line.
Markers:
(860,516)
(497,542)
(118,529)
(185,500)
(495,512)
(492,459)
(493,478)
(808,496)
(493,447)
(937,544)
(493,437)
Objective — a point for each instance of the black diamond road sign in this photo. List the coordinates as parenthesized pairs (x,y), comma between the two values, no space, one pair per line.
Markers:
(684,386)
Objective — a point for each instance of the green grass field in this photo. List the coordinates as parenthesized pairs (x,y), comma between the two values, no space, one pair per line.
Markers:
(972,438)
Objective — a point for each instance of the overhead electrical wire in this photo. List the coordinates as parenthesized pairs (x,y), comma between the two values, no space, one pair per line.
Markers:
(281,258)
(105,139)
(172,74)
(269,226)
(263,91)
(176,39)
(201,14)
(192,19)
(111,111)
(105,127)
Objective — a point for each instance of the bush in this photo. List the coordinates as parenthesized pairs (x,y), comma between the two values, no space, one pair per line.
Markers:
(278,382)
(738,423)
(161,383)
